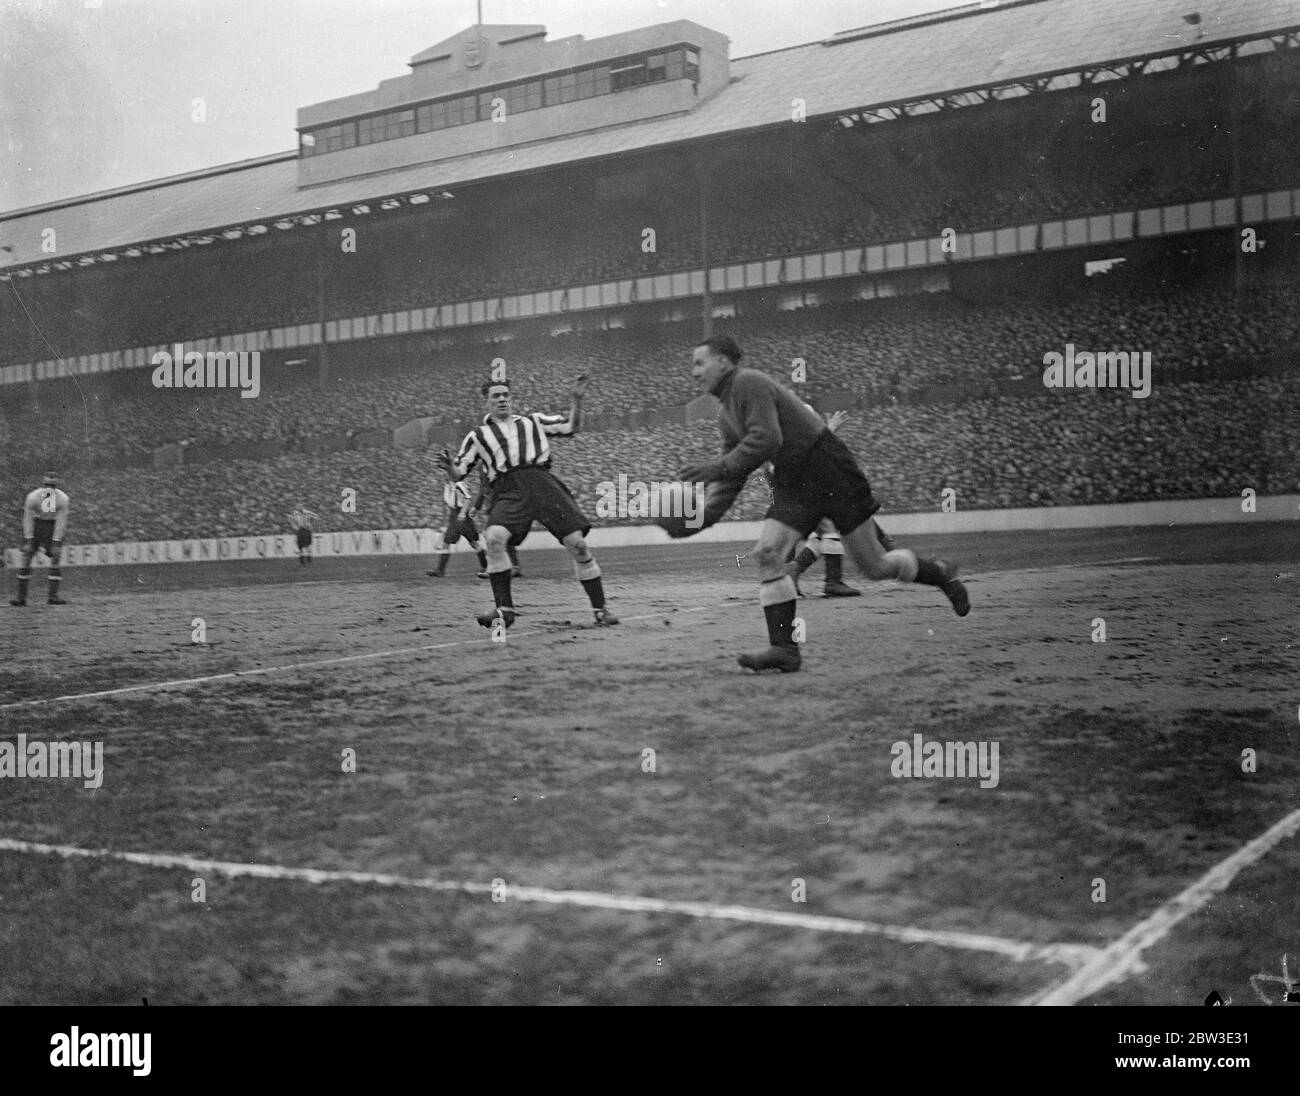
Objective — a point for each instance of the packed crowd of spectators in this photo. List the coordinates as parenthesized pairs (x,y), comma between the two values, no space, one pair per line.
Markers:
(1191,440)
(884,350)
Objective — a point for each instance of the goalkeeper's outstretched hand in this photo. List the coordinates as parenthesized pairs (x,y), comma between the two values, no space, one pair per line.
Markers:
(718,499)
(708,472)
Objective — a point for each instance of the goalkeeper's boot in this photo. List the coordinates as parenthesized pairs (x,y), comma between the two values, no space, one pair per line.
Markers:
(955,590)
(835,585)
(54,599)
(604,618)
(786,660)
(503,613)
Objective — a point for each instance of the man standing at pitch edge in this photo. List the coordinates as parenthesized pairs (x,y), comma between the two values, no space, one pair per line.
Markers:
(45,520)
(515,452)
(814,476)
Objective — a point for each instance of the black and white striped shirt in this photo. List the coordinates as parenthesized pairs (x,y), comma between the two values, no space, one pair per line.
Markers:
(519,442)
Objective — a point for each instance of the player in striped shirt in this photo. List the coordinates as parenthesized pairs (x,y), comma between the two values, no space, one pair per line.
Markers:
(302,520)
(515,453)
(45,520)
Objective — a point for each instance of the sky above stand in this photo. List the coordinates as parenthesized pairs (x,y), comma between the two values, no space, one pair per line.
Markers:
(96,94)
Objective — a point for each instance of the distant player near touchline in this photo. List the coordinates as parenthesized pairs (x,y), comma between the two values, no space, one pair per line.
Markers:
(815,476)
(460,523)
(302,521)
(515,452)
(45,520)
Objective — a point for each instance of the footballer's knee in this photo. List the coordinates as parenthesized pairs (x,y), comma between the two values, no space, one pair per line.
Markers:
(866,552)
(577,546)
(495,539)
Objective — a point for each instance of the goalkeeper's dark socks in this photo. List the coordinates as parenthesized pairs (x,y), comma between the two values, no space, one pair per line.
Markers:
(595,592)
(834,569)
(21,599)
(514,556)
(805,559)
(776,595)
(930,572)
(482,562)
(501,589)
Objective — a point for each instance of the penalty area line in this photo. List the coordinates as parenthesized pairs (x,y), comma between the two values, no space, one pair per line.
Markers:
(1123,958)
(230,675)
(1022,951)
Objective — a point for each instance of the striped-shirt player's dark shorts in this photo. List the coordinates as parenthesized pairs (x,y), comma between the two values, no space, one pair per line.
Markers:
(304,537)
(525,495)
(43,535)
(827,483)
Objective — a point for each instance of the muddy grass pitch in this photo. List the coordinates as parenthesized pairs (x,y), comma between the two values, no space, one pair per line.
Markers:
(584,815)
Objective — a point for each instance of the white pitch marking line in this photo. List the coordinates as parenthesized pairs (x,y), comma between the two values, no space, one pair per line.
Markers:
(180,683)
(1122,958)
(1082,563)
(1021,951)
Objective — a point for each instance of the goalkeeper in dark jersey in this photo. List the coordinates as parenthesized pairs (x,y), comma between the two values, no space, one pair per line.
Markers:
(814,476)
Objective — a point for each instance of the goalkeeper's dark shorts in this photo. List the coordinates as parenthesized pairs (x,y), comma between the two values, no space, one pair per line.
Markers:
(827,483)
(525,495)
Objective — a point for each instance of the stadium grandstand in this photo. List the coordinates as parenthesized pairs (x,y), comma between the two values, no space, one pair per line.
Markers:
(1102,173)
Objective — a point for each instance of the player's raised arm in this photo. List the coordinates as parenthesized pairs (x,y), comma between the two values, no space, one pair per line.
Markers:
(575,401)
(565,425)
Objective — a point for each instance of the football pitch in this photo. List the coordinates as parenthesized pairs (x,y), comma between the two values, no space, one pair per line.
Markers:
(350,794)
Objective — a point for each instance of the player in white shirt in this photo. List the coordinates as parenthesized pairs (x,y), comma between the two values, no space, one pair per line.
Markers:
(302,520)
(45,520)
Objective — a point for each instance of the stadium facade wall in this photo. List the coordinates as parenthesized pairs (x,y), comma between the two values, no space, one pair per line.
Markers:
(864,262)
(400,542)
